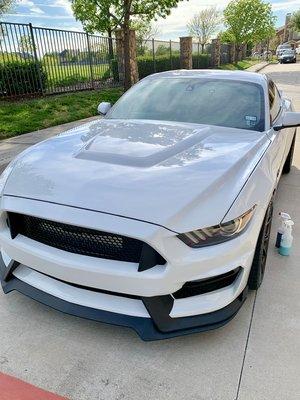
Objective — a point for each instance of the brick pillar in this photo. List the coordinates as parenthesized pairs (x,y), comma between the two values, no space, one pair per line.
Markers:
(215,52)
(134,75)
(231,52)
(186,52)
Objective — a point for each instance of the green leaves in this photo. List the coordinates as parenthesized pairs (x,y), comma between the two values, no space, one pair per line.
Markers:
(6,6)
(104,15)
(249,21)
(295,21)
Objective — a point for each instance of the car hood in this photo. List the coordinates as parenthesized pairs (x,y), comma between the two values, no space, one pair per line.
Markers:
(180,176)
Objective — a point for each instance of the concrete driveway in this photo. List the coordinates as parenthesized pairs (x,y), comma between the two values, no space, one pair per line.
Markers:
(256,356)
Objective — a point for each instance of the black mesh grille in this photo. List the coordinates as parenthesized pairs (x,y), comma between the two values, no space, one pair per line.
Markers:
(74,239)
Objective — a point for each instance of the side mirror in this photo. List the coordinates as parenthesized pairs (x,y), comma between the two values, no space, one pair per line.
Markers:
(289,120)
(104,107)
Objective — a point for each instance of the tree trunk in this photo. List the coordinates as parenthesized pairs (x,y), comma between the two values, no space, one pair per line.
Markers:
(110,44)
(237,53)
(202,47)
(126,30)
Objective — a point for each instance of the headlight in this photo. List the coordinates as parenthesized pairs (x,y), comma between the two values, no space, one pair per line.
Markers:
(218,233)
(4,176)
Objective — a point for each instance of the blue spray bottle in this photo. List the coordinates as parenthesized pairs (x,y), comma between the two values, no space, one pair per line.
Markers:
(283,217)
(287,238)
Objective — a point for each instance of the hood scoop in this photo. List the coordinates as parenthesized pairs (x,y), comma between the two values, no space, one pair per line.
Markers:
(139,151)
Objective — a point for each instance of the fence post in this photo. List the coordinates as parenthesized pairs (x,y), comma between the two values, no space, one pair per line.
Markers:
(38,70)
(90,60)
(171,61)
(153,55)
(215,52)
(186,52)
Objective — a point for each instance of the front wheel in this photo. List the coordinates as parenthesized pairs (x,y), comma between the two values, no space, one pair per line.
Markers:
(289,160)
(261,251)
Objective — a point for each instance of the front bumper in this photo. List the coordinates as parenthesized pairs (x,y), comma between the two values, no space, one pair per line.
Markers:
(159,326)
(114,291)
(288,60)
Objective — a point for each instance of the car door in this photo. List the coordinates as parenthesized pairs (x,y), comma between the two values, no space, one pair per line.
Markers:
(281,140)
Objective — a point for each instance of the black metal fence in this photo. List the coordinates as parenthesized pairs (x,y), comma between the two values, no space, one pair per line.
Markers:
(160,55)
(37,60)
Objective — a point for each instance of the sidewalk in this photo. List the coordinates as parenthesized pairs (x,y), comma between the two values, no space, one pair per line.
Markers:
(10,148)
(258,67)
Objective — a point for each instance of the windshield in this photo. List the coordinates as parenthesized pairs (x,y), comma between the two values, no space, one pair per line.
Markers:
(228,103)
(288,52)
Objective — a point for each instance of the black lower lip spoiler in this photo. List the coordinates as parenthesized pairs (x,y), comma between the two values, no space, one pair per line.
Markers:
(159,326)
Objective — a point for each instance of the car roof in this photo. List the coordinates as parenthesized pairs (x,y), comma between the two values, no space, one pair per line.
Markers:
(253,77)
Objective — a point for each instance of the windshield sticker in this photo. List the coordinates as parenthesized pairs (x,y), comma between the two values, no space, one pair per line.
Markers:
(250,120)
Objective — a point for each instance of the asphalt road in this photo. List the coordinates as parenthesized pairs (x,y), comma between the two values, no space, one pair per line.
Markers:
(256,356)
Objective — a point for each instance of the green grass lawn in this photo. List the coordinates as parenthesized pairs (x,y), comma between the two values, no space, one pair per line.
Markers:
(240,65)
(22,116)
(65,75)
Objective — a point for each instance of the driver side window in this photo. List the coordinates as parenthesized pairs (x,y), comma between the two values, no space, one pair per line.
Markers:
(275,101)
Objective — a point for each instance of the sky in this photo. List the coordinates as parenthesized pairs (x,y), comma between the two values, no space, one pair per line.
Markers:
(58,14)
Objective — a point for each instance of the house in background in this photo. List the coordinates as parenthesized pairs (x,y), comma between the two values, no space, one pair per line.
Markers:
(286,34)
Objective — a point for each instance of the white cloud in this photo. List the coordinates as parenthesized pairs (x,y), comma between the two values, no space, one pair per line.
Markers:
(65,4)
(288,5)
(32,7)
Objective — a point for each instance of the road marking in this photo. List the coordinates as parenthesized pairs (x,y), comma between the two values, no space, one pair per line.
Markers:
(14,389)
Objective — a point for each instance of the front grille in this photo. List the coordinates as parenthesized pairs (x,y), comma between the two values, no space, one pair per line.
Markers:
(78,240)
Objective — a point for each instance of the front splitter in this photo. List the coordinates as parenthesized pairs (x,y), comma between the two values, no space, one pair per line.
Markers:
(159,326)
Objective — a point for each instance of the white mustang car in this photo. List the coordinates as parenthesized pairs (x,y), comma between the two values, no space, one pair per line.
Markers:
(156,217)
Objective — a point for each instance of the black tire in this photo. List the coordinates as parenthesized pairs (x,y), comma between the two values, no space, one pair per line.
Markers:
(289,160)
(261,251)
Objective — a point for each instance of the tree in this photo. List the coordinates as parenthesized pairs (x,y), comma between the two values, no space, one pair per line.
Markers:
(204,24)
(95,18)
(295,20)
(25,44)
(274,42)
(248,21)
(6,6)
(162,50)
(120,13)
(144,31)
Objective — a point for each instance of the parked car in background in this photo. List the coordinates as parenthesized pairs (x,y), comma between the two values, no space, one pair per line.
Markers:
(287,56)
(156,217)
(282,47)
(298,50)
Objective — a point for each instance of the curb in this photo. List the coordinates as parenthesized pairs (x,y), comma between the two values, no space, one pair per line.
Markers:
(264,66)
(260,68)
